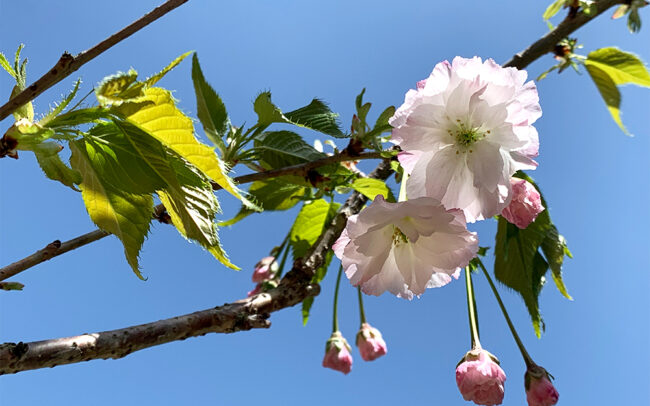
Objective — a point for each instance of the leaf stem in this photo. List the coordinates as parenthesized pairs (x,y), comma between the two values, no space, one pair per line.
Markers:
(335,317)
(286,248)
(471,309)
(527,358)
(362,313)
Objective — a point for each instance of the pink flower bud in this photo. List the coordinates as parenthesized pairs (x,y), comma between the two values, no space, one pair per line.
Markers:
(265,269)
(525,205)
(337,354)
(371,344)
(539,389)
(480,378)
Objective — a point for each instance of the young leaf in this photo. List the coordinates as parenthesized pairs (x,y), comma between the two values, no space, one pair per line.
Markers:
(185,192)
(553,9)
(6,65)
(309,224)
(622,67)
(11,286)
(61,106)
(272,194)
(373,187)
(609,93)
(192,205)
(210,108)
(278,149)
(150,81)
(317,116)
(55,169)
(157,114)
(126,215)
(113,89)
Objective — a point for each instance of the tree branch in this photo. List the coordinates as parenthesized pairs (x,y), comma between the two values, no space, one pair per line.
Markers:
(57,248)
(244,314)
(67,64)
(548,41)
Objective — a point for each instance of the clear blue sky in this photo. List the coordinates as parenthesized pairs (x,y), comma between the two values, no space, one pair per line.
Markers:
(594,177)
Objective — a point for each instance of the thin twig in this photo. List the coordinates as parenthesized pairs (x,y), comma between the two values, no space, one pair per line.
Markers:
(57,248)
(566,27)
(241,315)
(68,64)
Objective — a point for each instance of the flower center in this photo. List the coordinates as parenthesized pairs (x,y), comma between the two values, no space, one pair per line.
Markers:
(399,237)
(466,136)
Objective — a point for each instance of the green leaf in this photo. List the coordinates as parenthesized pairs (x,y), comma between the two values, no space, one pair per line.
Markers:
(192,206)
(555,248)
(210,108)
(126,215)
(317,116)
(152,80)
(114,89)
(634,21)
(622,67)
(278,149)
(372,187)
(553,9)
(272,194)
(6,65)
(309,224)
(184,190)
(61,106)
(157,114)
(609,93)
(74,118)
(519,264)
(55,169)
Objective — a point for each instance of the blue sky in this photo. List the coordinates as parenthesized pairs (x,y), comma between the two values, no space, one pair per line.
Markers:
(594,178)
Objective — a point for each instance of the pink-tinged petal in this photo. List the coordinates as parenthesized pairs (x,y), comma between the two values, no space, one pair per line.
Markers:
(539,389)
(370,342)
(337,354)
(397,247)
(526,204)
(480,379)
(462,106)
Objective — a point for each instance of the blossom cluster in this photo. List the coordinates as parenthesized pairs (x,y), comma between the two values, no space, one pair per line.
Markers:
(464,132)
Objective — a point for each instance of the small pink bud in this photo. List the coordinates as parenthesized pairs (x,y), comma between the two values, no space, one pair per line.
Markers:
(265,269)
(480,378)
(337,354)
(525,205)
(539,389)
(371,344)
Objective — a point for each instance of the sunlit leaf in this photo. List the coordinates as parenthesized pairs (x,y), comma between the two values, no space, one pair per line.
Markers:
(372,187)
(112,89)
(553,9)
(609,93)
(55,169)
(309,224)
(622,67)
(209,106)
(61,106)
(152,80)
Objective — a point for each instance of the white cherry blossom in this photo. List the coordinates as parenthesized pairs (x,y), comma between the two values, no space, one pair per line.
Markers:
(465,131)
(405,247)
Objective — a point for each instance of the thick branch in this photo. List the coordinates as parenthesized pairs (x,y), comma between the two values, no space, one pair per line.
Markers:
(57,248)
(548,41)
(67,64)
(244,314)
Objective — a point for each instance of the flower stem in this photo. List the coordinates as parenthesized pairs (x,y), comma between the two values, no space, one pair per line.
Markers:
(402,188)
(362,313)
(335,317)
(284,246)
(471,309)
(527,359)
